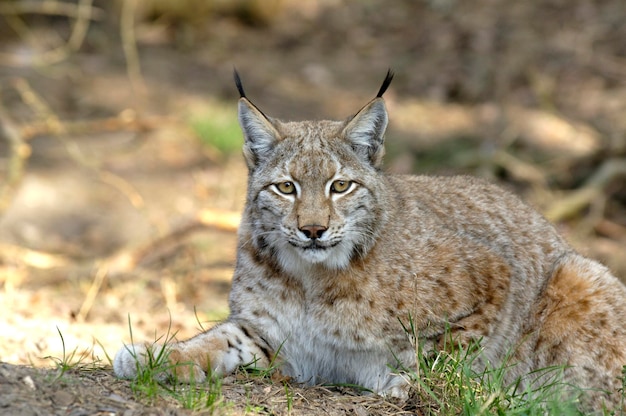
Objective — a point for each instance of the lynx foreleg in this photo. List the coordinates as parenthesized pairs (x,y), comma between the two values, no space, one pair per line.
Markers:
(216,352)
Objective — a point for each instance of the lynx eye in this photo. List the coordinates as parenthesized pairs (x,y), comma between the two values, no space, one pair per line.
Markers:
(286,188)
(339,186)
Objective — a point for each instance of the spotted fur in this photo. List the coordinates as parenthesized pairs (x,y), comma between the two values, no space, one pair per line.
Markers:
(335,257)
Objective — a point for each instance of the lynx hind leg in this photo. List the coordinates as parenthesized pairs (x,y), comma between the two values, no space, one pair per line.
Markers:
(583,313)
(218,351)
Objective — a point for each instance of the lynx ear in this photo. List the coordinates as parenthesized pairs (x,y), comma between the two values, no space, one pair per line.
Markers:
(259,132)
(260,135)
(366,131)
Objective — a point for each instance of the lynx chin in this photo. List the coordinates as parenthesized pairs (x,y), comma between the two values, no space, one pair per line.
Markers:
(335,256)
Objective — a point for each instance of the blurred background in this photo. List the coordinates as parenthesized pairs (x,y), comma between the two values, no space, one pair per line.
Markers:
(121,178)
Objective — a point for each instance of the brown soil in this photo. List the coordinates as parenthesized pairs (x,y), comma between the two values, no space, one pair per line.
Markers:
(470,80)
(95,391)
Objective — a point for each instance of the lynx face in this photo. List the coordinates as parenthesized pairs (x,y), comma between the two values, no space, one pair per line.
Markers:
(320,211)
(312,200)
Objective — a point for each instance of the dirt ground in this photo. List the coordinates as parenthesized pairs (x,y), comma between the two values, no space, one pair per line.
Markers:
(105,228)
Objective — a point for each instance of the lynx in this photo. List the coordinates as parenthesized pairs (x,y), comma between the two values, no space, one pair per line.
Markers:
(336,259)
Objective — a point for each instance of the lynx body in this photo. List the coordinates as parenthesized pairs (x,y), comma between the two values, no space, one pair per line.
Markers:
(335,257)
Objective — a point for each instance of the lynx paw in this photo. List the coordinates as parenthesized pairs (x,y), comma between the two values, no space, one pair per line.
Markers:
(131,359)
(397,392)
(185,371)
(396,388)
(161,363)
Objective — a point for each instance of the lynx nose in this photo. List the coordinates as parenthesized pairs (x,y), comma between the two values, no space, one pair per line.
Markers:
(313,231)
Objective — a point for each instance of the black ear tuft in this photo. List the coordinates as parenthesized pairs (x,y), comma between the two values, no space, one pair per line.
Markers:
(238,83)
(385,85)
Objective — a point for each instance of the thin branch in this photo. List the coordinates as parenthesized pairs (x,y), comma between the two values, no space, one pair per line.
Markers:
(32,258)
(125,187)
(84,12)
(54,124)
(593,188)
(38,105)
(127,260)
(122,122)
(79,31)
(56,127)
(52,8)
(220,220)
(98,279)
(19,154)
(129,44)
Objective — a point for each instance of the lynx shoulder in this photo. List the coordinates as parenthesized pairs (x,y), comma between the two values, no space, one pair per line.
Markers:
(335,257)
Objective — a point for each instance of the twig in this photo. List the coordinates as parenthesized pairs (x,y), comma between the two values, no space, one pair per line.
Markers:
(170,292)
(129,44)
(124,187)
(101,273)
(152,250)
(611,229)
(220,220)
(19,151)
(126,260)
(32,258)
(53,125)
(83,13)
(38,105)
(122,122)
(79,31)
(519,169)
(53,8)
(593,188)
(121,262)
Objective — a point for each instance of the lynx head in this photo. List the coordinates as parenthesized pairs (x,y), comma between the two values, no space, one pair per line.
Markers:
(314,188)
